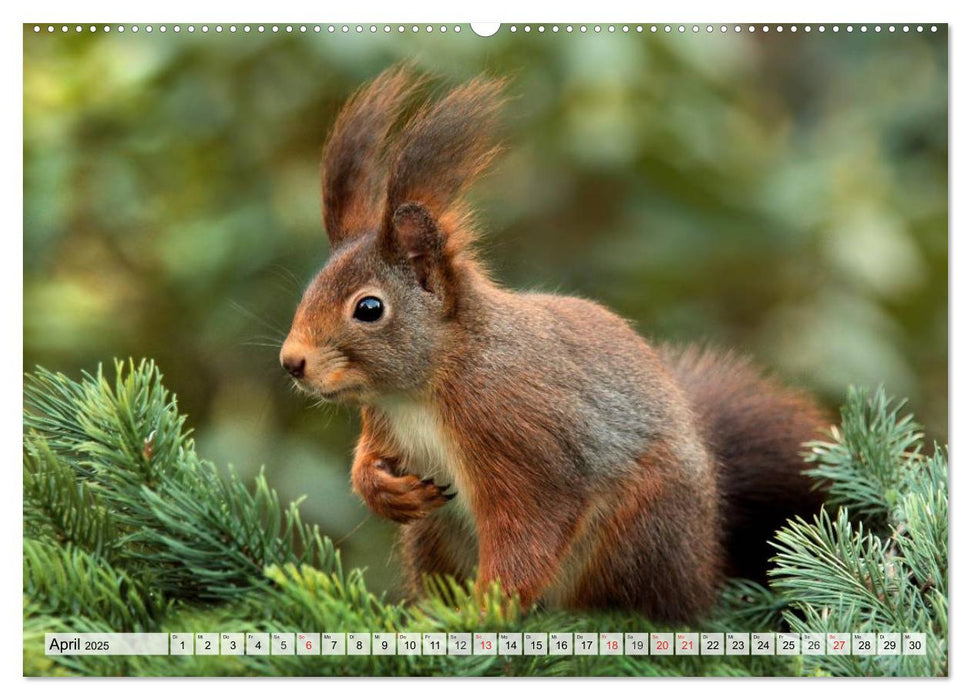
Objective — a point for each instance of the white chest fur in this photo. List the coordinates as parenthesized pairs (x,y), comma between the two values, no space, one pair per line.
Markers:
(426,448)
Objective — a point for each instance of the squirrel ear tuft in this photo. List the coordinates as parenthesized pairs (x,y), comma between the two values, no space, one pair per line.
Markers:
(441,150)
(353,173)
(418,237)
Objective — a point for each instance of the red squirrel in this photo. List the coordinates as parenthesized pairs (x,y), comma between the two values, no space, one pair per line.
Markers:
(590,469)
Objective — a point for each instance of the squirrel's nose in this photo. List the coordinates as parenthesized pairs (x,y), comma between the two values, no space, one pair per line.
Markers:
(294,365)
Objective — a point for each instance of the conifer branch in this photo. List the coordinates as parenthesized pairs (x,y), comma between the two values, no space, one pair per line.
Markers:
(128,529)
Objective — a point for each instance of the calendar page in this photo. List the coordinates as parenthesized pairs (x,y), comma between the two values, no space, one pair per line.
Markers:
(515,349)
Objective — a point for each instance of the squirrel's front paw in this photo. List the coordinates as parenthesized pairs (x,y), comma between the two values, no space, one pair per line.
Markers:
(401,498)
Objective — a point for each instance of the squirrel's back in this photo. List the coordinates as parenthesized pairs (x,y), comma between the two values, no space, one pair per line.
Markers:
(755,429)
(583,374)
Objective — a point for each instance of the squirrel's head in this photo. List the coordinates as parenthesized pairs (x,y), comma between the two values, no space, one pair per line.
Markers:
(373,321)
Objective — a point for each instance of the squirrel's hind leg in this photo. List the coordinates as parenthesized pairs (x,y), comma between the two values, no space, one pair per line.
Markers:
(658,550)
(441,544)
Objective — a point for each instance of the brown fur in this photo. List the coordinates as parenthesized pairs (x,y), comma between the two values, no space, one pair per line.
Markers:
(754,427)
(641,562)
(352,184)
(588,469)
(442,149)
(437,545)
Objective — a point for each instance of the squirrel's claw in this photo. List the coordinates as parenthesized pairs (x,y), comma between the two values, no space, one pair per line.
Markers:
(400,497)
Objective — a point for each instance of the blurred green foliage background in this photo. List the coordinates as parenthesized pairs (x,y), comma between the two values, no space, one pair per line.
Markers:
(781,194)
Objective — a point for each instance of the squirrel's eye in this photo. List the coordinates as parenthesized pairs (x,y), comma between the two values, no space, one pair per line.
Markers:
(368,309)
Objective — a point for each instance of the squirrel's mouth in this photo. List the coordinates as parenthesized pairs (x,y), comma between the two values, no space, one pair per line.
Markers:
(335,395)
(330,395)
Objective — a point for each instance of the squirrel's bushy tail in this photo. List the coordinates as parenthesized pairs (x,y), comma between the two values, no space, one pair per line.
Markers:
(755,428)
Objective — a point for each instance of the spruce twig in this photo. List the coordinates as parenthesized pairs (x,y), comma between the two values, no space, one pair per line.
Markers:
(127,529)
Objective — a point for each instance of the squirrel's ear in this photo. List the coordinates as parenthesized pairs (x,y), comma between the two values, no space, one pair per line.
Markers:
(352,169)
(436,156)
(416,236)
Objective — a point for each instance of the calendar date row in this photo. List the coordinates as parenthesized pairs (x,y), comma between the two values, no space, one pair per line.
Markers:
(489,643)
